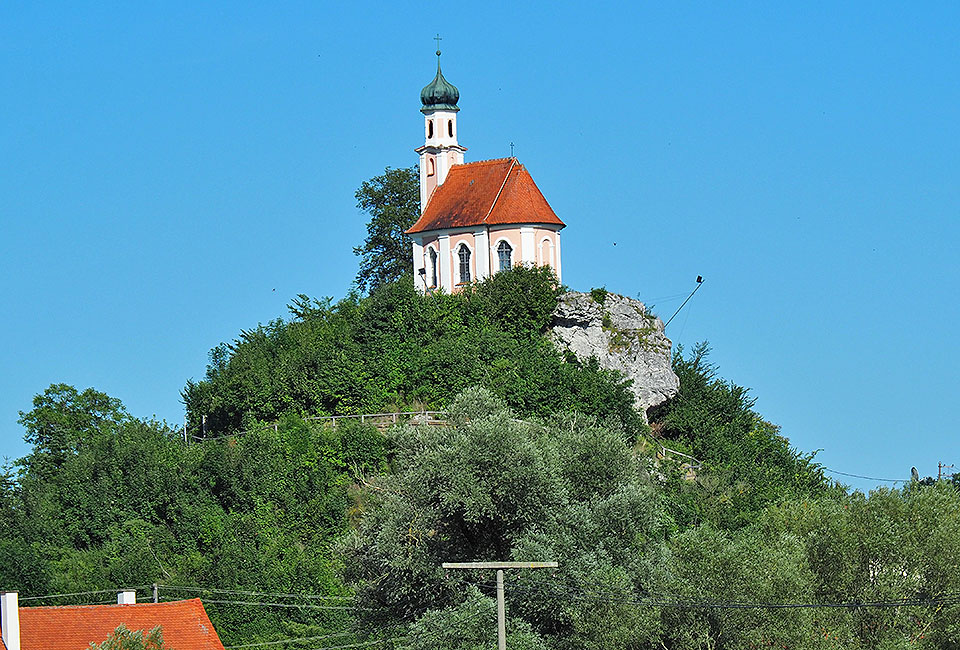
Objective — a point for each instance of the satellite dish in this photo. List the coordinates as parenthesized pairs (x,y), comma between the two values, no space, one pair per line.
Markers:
(914,474)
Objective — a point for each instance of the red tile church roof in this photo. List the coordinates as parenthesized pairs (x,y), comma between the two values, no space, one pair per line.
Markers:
(185,625)
(490,192)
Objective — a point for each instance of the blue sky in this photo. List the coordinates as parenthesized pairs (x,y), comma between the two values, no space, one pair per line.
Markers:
(173,172)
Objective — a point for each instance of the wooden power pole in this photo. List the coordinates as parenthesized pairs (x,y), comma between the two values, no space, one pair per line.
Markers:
(942,466)
(501,605)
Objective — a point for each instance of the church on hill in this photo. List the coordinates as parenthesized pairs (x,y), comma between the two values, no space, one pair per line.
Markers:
(475,218)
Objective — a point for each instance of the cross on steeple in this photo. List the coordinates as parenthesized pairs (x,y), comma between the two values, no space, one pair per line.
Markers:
(438,39)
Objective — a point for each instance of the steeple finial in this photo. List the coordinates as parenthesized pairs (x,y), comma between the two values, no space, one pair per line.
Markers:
(439,94)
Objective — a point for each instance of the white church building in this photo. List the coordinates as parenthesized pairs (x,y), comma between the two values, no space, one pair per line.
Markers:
(475,218)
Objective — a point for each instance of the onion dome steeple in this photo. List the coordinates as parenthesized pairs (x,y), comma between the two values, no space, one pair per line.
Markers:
(439,94)
(440,150)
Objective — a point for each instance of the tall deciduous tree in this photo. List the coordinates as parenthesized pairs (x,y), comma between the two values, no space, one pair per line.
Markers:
(490,487)
(62,419)
(393,202)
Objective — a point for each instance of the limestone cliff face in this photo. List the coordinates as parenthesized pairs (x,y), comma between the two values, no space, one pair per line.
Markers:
(623,336)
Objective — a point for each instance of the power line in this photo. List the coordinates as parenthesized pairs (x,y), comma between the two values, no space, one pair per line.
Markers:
(676,296)
(284,605)
(253,593)
(82,593)
(945,599)
(436,635)
(302,638)
(356,645)
(869,478)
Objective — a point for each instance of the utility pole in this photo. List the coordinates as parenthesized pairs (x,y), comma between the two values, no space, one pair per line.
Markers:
(501,604)
(156,594)
(940,467)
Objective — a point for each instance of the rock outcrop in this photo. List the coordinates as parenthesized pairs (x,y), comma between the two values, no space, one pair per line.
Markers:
(623,336)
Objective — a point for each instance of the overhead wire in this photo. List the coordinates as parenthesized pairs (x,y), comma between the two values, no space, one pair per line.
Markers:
(293,640)
(661,599)
(283,605)
(356,645)
(238,592)
(436,635)
(675,296)
(869,478)
(82,593)
(679,602)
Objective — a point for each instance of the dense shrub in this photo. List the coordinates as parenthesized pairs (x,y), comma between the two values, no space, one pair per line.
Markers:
(397,349)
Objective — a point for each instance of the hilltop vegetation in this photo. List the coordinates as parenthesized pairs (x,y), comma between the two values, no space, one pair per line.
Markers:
(631,574)
(745,464)
(397,350)
(311,509)
(106,500)
(543,458)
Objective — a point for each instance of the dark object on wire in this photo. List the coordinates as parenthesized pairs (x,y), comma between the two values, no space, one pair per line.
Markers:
(699,284)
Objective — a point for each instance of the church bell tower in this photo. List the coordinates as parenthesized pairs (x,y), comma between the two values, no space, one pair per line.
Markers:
(440,150)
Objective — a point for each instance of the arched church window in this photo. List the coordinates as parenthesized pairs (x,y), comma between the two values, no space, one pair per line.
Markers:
(431,167)
(429,129)
(450,128)
(464,253)
(504,253)
(433,268)
(546,253)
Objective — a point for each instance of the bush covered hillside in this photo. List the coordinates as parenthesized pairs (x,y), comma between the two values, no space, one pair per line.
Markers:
(397,350)
(334,534)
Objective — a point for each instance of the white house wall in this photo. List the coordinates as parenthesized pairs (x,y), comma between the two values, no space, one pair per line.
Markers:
(420,279)
(525,242)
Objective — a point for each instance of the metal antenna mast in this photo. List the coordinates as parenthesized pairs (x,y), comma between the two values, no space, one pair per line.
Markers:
(699,284)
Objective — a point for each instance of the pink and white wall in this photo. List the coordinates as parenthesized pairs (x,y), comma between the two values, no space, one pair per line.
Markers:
(489,249)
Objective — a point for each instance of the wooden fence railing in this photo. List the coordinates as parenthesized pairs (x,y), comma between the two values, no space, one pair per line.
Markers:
(376,419)
(435,418)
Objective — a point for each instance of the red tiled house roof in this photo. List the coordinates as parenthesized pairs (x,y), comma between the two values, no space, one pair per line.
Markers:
(490,192)
(185,625)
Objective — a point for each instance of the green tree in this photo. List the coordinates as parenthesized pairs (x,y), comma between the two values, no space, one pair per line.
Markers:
(712,566)
(124,639)
(491,487)
(521,301)
(393,202)
(397,349)
(746,463)
(888,546)
(63,419)
(134,505)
